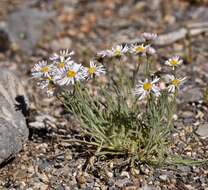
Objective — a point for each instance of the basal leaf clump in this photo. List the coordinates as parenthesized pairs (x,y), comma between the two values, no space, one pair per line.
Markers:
(122,110)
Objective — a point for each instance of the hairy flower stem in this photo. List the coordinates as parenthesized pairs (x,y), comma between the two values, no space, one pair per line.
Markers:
(135,72)
(147,68)
(172,110)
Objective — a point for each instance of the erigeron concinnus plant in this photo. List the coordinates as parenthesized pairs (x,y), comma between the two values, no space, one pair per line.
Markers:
(131,112)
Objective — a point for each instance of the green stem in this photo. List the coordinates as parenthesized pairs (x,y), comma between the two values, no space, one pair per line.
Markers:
(135,72)
(147,68)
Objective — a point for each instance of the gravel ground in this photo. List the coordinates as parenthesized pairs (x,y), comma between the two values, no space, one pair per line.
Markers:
(47,162)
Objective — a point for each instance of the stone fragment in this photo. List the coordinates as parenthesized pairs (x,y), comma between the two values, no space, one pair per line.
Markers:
(27,26)
(202,130)
(13,107)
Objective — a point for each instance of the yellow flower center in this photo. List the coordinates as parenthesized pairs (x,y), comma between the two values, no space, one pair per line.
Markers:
(117,52)
(50,79)
(140,49)
(61,65)
(174,62)
(175,82)
(147,86)
(71,74)
(91,70)
(44,69)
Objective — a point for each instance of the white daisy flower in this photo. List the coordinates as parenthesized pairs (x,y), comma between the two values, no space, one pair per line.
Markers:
(59,65)
(119,50)
(41,69)
(47,85)
(116,51)
(175,83)
(95,70)
(69,74)
(146,87)
(62,57)
(105,53)
(150,50)
(139,49)
(174,61)
(149,36)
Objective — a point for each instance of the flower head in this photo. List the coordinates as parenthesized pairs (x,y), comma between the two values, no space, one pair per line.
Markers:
(174,61)
(61,66)
(105,53)
(139,49)
(116,51)
(41,69)
(146,87)
(95,70)
(150,50)
(175,83)
(70,74)
(149,36)
(62,57)
(119,50)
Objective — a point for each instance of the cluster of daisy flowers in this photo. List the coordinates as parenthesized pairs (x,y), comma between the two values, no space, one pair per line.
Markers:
(142,49)
(145,88)
(60,71)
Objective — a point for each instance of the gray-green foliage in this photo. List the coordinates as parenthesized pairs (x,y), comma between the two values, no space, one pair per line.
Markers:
(115,123)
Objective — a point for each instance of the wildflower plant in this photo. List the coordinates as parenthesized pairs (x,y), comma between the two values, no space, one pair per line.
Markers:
(122,111)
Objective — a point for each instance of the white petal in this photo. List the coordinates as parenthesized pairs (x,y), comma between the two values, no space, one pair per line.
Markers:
(143,95)
(155,80)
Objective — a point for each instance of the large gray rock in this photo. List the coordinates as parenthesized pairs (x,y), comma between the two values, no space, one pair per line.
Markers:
(13,128)
(28,25)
